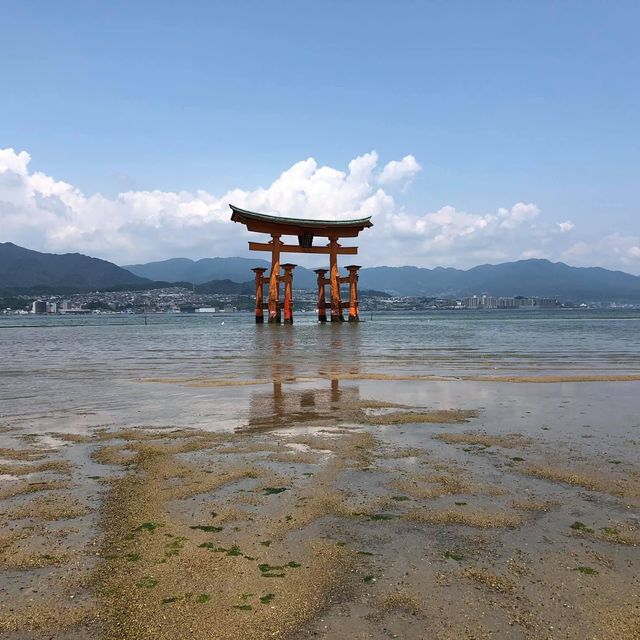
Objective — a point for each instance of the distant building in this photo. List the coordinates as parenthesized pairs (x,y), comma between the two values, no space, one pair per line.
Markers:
(481,302)
(489,302)
(206,310)
(77,312)
(52,307)
(517,302)
(66,308)
(39,306)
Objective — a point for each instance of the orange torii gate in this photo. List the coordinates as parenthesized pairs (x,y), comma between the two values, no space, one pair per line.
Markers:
(306,231)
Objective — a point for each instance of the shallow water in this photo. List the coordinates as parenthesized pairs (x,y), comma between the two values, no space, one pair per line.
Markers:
(431,342)
(72,364)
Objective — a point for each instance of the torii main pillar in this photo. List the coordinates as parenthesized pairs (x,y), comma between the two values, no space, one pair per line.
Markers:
(274,281)
(334,280)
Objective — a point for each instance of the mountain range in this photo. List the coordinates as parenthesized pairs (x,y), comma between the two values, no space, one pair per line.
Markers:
(533,277)
(207,269)
(23,270)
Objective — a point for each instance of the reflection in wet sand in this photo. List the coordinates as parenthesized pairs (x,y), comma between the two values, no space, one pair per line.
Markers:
(286,404)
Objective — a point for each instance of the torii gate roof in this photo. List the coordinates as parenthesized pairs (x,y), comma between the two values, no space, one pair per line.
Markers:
(263,223)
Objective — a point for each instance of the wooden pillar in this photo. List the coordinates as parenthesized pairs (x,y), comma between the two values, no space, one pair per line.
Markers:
(353,293)
(259,271)
(288,292)
(277,376)
(335,390)
(274,281)
(334,280)
(322,305)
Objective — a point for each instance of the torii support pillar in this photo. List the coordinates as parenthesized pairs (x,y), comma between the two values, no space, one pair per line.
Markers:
(334,280)
(354,315)
(287,278)
(322,304)
(259,271)
(274,281)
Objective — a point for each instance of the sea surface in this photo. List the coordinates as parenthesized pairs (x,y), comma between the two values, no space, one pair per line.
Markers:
(439,342)
(183,369)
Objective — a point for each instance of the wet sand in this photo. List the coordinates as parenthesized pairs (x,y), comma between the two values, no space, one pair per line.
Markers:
(335,506)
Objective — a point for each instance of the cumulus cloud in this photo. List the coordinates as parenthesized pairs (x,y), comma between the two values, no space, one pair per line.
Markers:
(566,226)
(399,170)
(43,213)
(448,231)
(613,250)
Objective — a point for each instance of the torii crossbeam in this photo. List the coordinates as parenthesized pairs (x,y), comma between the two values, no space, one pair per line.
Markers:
(305,231)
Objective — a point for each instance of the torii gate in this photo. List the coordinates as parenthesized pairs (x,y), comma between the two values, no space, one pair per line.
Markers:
(306,231)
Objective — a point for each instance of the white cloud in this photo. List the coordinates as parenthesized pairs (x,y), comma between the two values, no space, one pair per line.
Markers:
(566,226)
(452,237)
(518,214)
(40,212)
(615,250)
(399,170)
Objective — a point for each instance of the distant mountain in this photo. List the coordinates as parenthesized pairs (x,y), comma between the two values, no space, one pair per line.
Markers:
(226,287)
(198,271)
(208,269)
(540,278)
(22,268)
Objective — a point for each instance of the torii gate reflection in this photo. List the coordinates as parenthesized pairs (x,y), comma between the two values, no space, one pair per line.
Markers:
(293,400)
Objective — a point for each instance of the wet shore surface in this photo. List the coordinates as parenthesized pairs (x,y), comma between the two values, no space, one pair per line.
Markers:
(335,508)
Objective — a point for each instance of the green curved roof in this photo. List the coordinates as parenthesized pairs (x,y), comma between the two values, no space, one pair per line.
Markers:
(239,213)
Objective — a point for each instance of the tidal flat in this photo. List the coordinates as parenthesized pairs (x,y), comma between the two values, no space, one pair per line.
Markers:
(332,500)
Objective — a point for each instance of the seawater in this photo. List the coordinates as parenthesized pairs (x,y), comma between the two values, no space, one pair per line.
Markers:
(68,368)
(439,342)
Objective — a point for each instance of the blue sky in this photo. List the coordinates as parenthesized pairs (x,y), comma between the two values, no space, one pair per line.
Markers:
(498,102)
